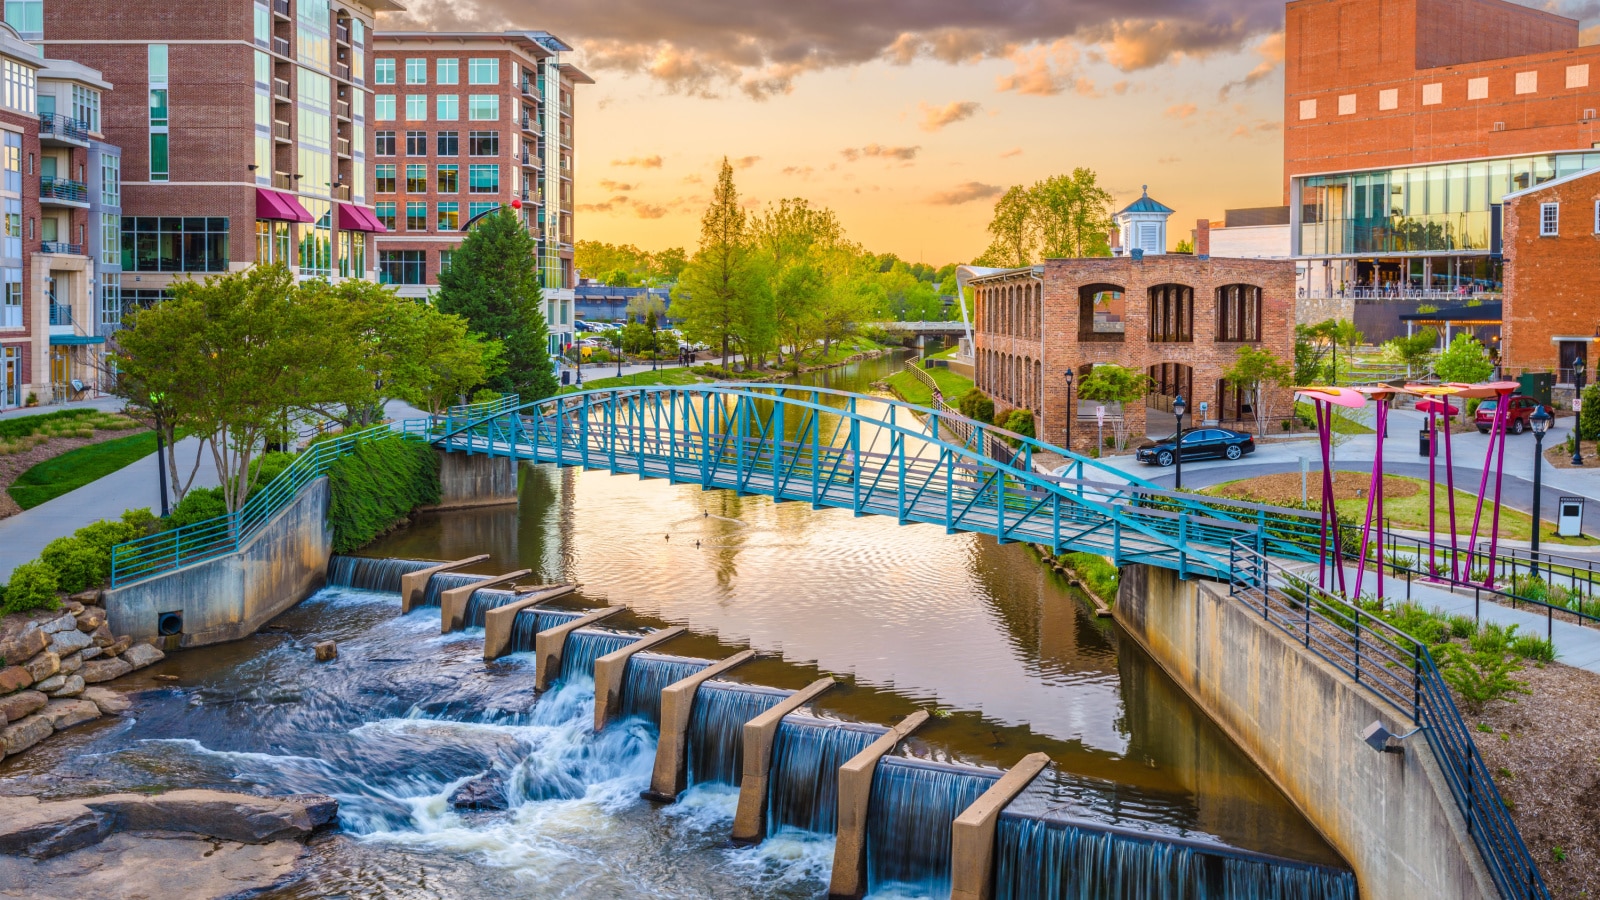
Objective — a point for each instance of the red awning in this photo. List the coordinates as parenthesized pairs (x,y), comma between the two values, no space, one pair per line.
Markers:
(282,207)
(358,218)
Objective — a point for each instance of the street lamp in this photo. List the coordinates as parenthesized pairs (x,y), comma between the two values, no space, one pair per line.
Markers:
(618,333)
(1577,439)
(1179,407)
(1069,409)
(1541,423)
(156,400)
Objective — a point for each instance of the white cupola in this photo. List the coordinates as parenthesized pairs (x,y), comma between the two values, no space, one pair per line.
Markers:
(1142,226)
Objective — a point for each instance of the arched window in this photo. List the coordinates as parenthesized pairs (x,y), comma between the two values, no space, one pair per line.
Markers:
(1171,313)
(1239,313)
(1102,313)
(1167,382)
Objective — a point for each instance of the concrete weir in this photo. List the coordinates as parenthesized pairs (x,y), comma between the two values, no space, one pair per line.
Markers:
(414,584)
(453,603)
(609,669)
(498,624)
(750,821)
(849,881)
(550,643)
(670,776)
(972,833)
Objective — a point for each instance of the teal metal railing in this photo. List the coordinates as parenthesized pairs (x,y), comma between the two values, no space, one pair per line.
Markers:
(168,551)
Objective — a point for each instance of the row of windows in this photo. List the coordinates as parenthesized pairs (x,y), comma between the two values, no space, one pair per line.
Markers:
(173,244)
(446,71)
(447,107)
(1433,93)
(448,143)
(448,214)
(481,179)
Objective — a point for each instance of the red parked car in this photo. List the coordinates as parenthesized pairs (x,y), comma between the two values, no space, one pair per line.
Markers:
(1517,419)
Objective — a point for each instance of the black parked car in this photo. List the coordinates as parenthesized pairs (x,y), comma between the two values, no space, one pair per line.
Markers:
(1199,443)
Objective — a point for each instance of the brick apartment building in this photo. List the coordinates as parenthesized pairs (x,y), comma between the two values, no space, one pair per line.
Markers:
(466,124)
(244,128)
(1402,139)
(1551,314)
(1178,318)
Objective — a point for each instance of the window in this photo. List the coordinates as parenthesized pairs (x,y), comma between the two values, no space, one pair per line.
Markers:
(416,143)
(1171,313)
(11,246)
(416,107)
(483,179)
(110,180)
(272,241)
(483,71)
(447,71)
(383,71)
(158,63)
(402,266)
(20,91)
(416,178)
(160,165)
(1578,76)
(26,16)
(475,210)
(1308,109)
(11,312)
(446,257)
(383,143)
(1389,99)
(383,107)
(483,143)
(352,254)
(385,213)
(1549,219)
(174,244)
(111,304)
(416,216)
(86,106)
(1347,104)
(12,162)
(383,176)
(110,238)
(1597,217)
(447,107)
(449,143)
(449,216)
(483,107)
(449,179)
(416,71)
(158,108)
(1239,313)
(160,170)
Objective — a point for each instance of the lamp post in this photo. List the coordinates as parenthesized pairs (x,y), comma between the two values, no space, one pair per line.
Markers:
(1541,423)
(156,399)
(618,333)
(1068,410)
(1577,440)
(1179,407)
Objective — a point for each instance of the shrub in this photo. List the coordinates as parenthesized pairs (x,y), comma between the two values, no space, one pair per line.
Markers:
(1536,648)
(105,534)
(1589,416)
(1021,422)
(77,564)
(198,505)
(142,520)
(1463,627)
(1424,625)
(485,395)
(33,586)
(1481,676)
(976,405)
(1102,577)
(376,487)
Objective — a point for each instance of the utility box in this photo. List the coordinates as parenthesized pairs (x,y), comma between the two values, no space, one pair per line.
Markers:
(1536,385)
(1569,517)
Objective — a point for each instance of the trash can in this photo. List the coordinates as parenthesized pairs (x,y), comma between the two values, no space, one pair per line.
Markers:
(1424,442)
(1569,517)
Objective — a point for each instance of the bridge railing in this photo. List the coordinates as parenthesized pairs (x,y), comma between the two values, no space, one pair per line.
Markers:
(1400,671)
(168,551)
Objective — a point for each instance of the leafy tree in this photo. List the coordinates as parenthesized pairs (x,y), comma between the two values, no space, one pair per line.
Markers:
(1109,383)
(976,405)
(798,294)
(1059,217)
(1259,372)
(1310,354)
(448,361)
(645,306)
(1184,246)
(1412,350)
(667,265)
(493,283)
(1013,241)
(720,287)
(1464,361)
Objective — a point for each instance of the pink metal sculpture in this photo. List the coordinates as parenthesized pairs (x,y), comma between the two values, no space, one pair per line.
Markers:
(1323,400)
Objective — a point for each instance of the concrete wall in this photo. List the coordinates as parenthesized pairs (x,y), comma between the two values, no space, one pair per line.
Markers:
(1390,815)
(475,480)
(229,598)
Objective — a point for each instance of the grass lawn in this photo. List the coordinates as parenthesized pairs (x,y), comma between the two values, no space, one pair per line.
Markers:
(74,469)
(1405,504)
(914,391)
(26,432)
(677,375)
(840,351)
(1342,423)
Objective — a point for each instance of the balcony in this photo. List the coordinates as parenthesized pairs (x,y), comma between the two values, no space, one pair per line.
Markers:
(343,145)
(63,248)
(280,131)
(280,90)
(530,91)
(529,161)
(341,33)
(341,71)
(60,313)
(341,108)
(281,47)
(282,181)
(60,190)
(341,192)
(57,129)
(529,126)
(280,8)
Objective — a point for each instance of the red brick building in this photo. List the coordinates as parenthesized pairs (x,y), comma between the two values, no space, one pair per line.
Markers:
(1178,318)
(1551,314)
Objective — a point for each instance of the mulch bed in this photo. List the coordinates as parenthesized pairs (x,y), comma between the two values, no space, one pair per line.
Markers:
(1559,457)
(1544,753)
(13,465)
(1284,489)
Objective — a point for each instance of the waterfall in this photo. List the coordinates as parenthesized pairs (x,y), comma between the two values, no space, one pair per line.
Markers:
(803,791)
(368,574)
(908,827)
(585,646)
(439,582)
(716,729)
(529,622)
(481,601)
(647,676)
(1037,859)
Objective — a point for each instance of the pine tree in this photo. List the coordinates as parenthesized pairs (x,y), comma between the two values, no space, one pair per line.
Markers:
(493,283)
(719,294)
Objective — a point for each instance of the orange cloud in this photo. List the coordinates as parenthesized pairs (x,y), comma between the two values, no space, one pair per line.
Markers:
(643,162)
(937,117)
(881,152)
(1181,111)
(965,193)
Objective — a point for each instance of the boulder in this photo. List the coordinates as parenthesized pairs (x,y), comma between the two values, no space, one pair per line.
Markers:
(64,642)
(24,733)
(325,650)
(484,792)
(24,645)
(140,655)
(110,702)
(126,866)
(59,624)
(20,704)
(87,598)
(54,682)
(71,664)
(228,817)
(89,653)
(67,713)
(119,645)
(29,827)
(72,688)
(102,637)
(72,606)
(90,619)
(43,666)
(14,678)
(98,670)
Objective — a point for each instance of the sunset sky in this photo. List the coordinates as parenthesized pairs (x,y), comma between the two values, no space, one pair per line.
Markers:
(908,117)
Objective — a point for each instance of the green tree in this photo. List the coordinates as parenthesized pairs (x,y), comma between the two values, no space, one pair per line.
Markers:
(1072,215)
(1108,383)
(667,265)
(493,283)
(1184,246)
(645,306)
(1013,239)
(1464,361)
(1589,416)
(1413,350)
(1311,347)
(723,284)
(1260,373)
(449,361)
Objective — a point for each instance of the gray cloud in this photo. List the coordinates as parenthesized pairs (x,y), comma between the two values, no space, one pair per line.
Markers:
(965,193)
(878,151)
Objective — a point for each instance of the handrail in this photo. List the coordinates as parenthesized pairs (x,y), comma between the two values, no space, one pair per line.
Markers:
(1400,671)
(166,551)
